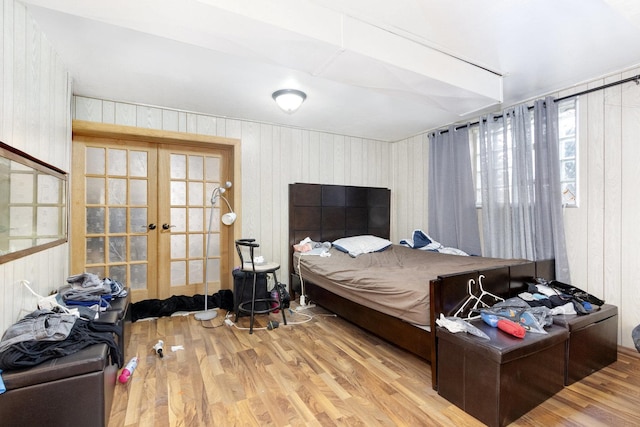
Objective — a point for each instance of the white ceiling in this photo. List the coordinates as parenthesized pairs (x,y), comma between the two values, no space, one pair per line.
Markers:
(371,68)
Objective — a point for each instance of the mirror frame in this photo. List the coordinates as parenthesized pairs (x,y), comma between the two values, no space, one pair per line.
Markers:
(13,154)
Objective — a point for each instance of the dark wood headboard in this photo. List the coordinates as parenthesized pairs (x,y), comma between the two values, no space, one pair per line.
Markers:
(328,212)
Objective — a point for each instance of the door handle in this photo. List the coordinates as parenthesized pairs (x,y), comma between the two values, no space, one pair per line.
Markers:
(167,226)
(144,228)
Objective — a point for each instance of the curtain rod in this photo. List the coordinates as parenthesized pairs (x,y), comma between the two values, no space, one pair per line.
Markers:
(635,79)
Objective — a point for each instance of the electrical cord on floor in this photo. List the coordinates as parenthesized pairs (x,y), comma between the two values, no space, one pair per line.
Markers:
(309,317)
(214,321)
(293,313)
(229,322)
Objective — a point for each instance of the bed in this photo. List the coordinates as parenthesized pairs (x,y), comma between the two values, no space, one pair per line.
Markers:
(403,317)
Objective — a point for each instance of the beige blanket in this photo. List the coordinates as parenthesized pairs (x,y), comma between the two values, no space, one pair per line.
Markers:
(394,281)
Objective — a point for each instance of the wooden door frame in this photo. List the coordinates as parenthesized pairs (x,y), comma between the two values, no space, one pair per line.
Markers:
(230,146)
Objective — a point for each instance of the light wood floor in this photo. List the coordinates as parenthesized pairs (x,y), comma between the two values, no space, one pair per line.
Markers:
(324,372)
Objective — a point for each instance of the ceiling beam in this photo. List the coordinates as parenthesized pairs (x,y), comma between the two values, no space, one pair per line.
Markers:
(347,33)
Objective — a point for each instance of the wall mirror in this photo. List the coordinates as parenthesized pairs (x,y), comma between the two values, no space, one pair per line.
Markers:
(33,204)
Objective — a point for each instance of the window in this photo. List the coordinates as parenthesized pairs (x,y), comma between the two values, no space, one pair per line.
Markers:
(33,205)
(568,136)
(568,153)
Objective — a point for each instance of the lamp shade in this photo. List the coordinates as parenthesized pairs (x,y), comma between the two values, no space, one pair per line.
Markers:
(229,218)
(289,100)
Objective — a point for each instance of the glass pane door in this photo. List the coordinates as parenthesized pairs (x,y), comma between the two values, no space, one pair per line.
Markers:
(141,214)
(114,212)
(187,177)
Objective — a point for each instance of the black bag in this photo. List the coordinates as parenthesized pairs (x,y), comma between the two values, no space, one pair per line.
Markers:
(284,295)
(240,296)
(577,293)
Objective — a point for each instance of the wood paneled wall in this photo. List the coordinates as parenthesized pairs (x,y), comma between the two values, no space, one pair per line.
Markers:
(409,205)
(34,117)
(272,158)
(604,230)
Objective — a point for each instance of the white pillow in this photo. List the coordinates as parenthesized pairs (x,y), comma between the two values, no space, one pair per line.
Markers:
(365,244)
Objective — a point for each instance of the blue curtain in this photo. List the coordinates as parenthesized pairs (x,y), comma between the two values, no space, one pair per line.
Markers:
(453,220)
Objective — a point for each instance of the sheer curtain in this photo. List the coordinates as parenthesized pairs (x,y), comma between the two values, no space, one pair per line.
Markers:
(520,177)
(452,208)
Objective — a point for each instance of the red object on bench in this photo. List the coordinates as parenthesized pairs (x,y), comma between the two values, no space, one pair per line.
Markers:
(512,328)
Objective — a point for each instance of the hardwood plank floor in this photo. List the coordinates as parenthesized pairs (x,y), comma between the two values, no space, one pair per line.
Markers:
(322,371)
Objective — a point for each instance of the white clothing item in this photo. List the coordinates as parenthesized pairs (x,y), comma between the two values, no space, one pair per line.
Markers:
(546,290)
(568,308)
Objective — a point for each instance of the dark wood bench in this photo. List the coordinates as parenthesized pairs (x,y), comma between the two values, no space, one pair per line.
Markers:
(74,390)
(593,341)
(499,380)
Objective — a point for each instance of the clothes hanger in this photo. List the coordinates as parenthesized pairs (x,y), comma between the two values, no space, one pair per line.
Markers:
(476,299)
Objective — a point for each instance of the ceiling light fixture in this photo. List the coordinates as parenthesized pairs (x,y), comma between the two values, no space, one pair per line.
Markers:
(289,100)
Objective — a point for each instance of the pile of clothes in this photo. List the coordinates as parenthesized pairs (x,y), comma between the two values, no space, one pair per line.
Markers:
(64,327)
(87,291)
(45,334)
(176,303)
(534,309)
(560,298)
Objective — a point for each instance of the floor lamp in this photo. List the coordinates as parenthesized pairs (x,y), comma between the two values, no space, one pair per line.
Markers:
(227,219)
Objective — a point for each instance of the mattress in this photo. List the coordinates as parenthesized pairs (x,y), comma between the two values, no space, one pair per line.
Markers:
(394,281)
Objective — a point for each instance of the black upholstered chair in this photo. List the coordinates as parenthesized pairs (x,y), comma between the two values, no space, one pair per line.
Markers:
(251,267)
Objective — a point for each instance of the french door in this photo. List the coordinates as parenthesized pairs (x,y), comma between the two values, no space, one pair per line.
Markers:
(141,211)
